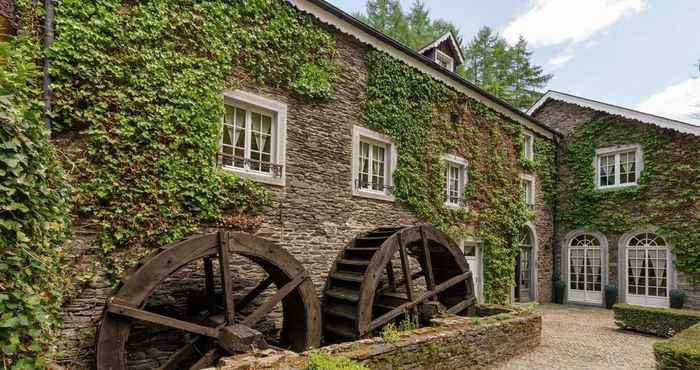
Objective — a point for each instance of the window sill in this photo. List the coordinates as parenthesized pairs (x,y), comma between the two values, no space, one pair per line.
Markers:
(373,195)
(455,206)
(257,176)
(616,187)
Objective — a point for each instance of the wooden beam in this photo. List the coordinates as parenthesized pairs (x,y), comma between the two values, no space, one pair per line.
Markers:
(405,267)
(209,284)
(116,307)
(226,283)
(207,360)
(429,279)
(381,320)
(270,304)
(181,355)
(400,281)
(245,301)
(461,306)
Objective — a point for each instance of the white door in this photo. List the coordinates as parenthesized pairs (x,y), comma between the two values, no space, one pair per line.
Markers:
(474,258)
(647,258)
(585,270)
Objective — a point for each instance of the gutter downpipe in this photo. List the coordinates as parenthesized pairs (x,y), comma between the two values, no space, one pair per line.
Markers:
(48,41)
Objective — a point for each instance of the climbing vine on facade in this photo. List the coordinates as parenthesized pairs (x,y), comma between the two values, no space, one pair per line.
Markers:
(667,195)
(415,110)
(142,83)
(33,214)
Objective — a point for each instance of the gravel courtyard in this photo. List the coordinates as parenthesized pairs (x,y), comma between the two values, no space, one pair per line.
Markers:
(578,337)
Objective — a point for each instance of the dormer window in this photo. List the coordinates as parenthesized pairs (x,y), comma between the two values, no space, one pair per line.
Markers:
(444,60)
(444,51)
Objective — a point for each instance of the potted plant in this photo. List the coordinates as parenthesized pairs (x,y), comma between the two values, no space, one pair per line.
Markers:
(677,298)
(559,290)
(610,295)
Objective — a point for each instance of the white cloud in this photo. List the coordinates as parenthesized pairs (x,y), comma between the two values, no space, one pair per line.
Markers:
(561,59)
(681,102)
(553,22)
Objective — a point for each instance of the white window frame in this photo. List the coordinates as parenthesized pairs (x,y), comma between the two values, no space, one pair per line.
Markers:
(361,134)
(278,111)
(445,59)
(463,166)
(530,198)
(528,145)
(616,151)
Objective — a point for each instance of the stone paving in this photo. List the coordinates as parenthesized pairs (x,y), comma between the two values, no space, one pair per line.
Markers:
(579,337)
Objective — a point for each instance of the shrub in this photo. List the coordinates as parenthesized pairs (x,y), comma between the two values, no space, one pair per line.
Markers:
(680,352)
(664,322)
(324,361)
(389,333)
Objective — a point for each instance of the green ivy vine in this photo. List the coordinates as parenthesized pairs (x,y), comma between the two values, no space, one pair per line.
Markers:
(414,110)
(142,84)
(33,214)
(668,194)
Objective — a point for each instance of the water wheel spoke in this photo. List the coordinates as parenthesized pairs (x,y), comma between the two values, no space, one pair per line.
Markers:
(226,283)
(209,285)
(208,360)
(181,355)
(406,268)
(270,304)
(122,309)
(428,264)
(381,320)
(254,293)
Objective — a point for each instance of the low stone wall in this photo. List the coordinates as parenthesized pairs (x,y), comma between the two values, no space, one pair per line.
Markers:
(450,343)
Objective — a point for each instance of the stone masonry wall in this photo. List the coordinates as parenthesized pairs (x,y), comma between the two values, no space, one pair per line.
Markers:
(452,343)
(565,118)
(314,216)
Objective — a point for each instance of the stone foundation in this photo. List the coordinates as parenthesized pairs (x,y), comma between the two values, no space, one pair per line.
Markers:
(450,343)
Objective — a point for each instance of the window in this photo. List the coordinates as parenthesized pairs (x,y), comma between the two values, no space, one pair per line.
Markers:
(374,158)
(252,142)
(585,269)
(444,60)
(455,179)
(528,146)
(527,184)
(618,166)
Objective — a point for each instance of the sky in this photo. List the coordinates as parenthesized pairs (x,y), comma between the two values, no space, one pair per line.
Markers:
(639,54)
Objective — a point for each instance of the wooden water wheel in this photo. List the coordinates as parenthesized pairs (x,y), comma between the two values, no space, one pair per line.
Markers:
(366,289)
(214,324)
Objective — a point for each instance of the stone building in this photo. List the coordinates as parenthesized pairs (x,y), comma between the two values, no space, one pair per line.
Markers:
(627,194)
(314,158)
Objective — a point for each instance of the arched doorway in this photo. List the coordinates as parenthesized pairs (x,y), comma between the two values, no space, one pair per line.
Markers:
(585,269)
(648,269)
(526,266)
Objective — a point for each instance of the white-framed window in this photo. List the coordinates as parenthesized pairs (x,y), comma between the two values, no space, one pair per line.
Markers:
(253,137)
(456,178)
(527,188)
(528,146)
(444,60)
(373,162)
(618,166)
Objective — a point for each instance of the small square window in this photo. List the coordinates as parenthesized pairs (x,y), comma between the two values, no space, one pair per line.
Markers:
(374,159)
(618,166)
(455,179)
(528,146)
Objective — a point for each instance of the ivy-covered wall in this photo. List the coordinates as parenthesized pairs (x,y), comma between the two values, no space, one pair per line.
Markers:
(33,214)
(668,195)
(137,105)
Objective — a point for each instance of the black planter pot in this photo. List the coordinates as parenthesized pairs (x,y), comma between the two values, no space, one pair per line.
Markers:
(559,290)
(677,298)
(610,296)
